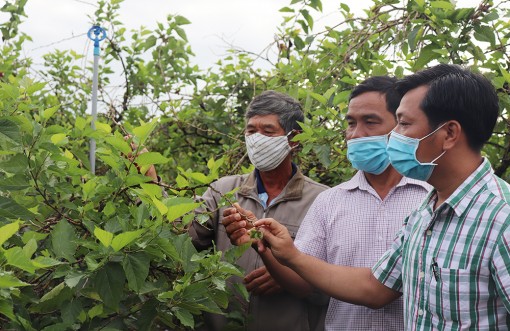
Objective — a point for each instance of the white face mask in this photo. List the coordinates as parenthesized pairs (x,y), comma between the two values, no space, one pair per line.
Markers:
(266,153)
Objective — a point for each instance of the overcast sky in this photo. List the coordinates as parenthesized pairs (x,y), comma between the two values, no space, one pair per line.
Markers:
(245,24)
(215,24)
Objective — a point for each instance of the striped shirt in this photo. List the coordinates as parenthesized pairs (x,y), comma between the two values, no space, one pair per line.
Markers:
(350,225)
(452,264)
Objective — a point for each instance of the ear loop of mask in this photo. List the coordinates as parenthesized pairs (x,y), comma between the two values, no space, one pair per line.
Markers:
(430,134)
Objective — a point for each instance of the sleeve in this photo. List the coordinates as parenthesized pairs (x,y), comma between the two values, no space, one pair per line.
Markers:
(501,267)
(311,236)
(388,270)
(203,233)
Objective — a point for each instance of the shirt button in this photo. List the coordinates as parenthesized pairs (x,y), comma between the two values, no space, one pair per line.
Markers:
(420,312)
(429,232)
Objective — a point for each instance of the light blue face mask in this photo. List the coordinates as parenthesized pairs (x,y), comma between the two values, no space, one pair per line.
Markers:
(368,154)
(402,153)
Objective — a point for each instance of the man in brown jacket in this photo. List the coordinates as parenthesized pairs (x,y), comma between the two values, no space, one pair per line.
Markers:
(276,189)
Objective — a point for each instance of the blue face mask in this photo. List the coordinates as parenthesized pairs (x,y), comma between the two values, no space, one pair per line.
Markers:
(402,153)
(368,154)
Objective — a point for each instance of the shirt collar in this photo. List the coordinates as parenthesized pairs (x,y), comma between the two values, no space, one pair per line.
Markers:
(460,199)
(359,181)
(260,185)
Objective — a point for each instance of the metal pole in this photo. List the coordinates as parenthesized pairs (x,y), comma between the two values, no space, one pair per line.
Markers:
(100,34)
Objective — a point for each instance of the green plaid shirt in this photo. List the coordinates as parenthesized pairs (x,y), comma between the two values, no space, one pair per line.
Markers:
(452,264)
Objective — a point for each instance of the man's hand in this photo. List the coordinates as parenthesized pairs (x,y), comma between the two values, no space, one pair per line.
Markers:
(260,282)
(151,172)
(278,239)
(238,222)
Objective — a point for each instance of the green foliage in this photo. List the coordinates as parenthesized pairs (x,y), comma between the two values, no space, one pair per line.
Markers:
(106,247)
(109,250)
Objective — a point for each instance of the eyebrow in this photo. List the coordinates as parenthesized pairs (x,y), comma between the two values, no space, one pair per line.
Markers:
(264,126)
(365,117)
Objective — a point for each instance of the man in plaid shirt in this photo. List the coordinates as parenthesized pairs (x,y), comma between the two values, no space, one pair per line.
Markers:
(451,259)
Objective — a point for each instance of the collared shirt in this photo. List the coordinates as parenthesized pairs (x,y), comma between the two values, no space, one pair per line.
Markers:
(453,263)
(261,190)
(350,225)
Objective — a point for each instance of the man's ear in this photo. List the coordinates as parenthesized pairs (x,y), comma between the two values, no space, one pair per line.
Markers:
(454,134)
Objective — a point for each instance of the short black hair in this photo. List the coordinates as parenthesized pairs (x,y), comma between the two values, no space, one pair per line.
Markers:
(456,93)
(383,84)
(288,109)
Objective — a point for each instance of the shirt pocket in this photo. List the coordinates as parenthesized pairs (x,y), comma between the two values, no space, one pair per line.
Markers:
(457,294)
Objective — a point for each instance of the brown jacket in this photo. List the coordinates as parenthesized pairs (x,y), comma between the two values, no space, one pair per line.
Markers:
(279,312)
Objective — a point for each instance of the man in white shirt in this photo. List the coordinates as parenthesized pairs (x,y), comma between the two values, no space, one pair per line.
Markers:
(354,223)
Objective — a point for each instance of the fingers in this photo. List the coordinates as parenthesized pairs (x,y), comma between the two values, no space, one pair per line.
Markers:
(245,213)
(260,282)
(230,215)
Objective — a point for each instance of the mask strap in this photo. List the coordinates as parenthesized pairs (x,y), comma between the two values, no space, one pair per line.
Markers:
(439,127)
(289,141)
(437,158)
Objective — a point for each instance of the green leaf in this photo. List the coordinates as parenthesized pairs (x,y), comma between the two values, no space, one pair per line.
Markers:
(45,262)
(6,309)
(136,267)
(427,54)
(14,183)
(59,327)
(442,5)
(286,10)
(199,177)
(59,139)
(148,313)
(8,280)
(17,258)
(103,127)
(71,311)
(9,132)
(73,278)
(30,248)
(143,131)
(95,311)
(16,164)
(8,231)
(159,205)
(506,74)
(178,207)
(319,98)
(181,20)
(123,239)
(185,317)
(104,237)
(48,113)
(32,235)
(53,293)
(150,158)
(300,44)
(80,123)
(119,143)
(63,239)
(109,284)
(485,33)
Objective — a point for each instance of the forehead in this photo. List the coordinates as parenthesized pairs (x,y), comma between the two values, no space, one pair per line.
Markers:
(368,103)
(410,105)
(264,121)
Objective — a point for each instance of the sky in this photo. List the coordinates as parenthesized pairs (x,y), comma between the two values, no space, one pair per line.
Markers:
(215,24)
